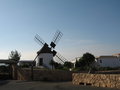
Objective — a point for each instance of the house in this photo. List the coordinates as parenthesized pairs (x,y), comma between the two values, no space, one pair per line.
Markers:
(74,61)
(108,61)
(117,54)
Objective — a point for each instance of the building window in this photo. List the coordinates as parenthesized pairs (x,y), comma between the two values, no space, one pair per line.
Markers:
(100,61)
(40,61)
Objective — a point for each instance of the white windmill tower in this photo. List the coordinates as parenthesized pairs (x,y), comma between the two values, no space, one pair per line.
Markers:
(46,53)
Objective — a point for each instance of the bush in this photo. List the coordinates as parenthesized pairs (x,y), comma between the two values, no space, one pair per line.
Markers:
(108,68)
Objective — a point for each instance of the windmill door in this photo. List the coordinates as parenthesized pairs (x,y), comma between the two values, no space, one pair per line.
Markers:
(40,61)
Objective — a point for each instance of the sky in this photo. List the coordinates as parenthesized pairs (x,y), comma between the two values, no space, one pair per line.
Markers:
(87,25)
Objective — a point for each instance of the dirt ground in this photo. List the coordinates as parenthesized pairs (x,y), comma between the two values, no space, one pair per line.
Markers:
(37,85)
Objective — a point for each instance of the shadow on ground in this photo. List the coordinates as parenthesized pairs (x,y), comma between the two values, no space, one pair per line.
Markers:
(4,82)
(33,85)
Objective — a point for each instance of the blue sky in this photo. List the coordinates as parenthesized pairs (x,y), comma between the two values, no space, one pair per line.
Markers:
(87,25)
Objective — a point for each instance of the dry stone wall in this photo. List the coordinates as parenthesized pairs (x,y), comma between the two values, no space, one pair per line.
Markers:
(99,80)
(23,74)
(45,75)
(52,75)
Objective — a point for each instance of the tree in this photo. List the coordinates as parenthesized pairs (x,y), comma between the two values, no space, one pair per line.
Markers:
(85,62)
(87,59)
(56,65)
(52,63)
(14,55)
(77,63)
(68,64)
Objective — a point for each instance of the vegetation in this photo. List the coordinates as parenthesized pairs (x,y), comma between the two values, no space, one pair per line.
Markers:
(85,62)
(108,68)
(52,63)
(4,69)
(5,72)
(14,55)
(68,65)
(56,65)
(25,65)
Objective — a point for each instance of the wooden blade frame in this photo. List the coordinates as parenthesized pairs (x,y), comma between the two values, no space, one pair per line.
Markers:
(39,40)
(61,58)
(56,38)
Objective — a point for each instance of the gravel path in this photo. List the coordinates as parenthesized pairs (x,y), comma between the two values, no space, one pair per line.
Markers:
(23,85)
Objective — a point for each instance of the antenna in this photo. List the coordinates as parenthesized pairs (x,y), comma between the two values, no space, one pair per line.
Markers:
(56,38)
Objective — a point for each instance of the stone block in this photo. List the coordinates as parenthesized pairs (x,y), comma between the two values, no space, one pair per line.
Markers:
(98,80)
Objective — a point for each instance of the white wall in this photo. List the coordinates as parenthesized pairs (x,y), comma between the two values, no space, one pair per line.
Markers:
(112,61)
(47,57)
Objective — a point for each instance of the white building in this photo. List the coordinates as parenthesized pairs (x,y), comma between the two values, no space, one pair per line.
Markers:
(45,57)
(44,60)
(74,61)
(108,61)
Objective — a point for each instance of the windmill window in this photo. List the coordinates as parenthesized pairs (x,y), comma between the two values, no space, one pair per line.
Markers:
(41,61)
(100,61)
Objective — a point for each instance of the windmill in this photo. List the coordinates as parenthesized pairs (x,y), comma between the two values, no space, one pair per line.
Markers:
(47,52)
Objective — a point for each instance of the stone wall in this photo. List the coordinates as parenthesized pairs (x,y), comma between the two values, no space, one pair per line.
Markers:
(23,74)
(52,75)
(99,80)
(45,75)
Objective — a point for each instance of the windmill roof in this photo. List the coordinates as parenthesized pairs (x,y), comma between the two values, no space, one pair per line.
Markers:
(45,49)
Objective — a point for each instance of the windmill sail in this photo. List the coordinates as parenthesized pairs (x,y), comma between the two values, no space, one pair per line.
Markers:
(47,53)
(56,38)
(39,40)
(60,59)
